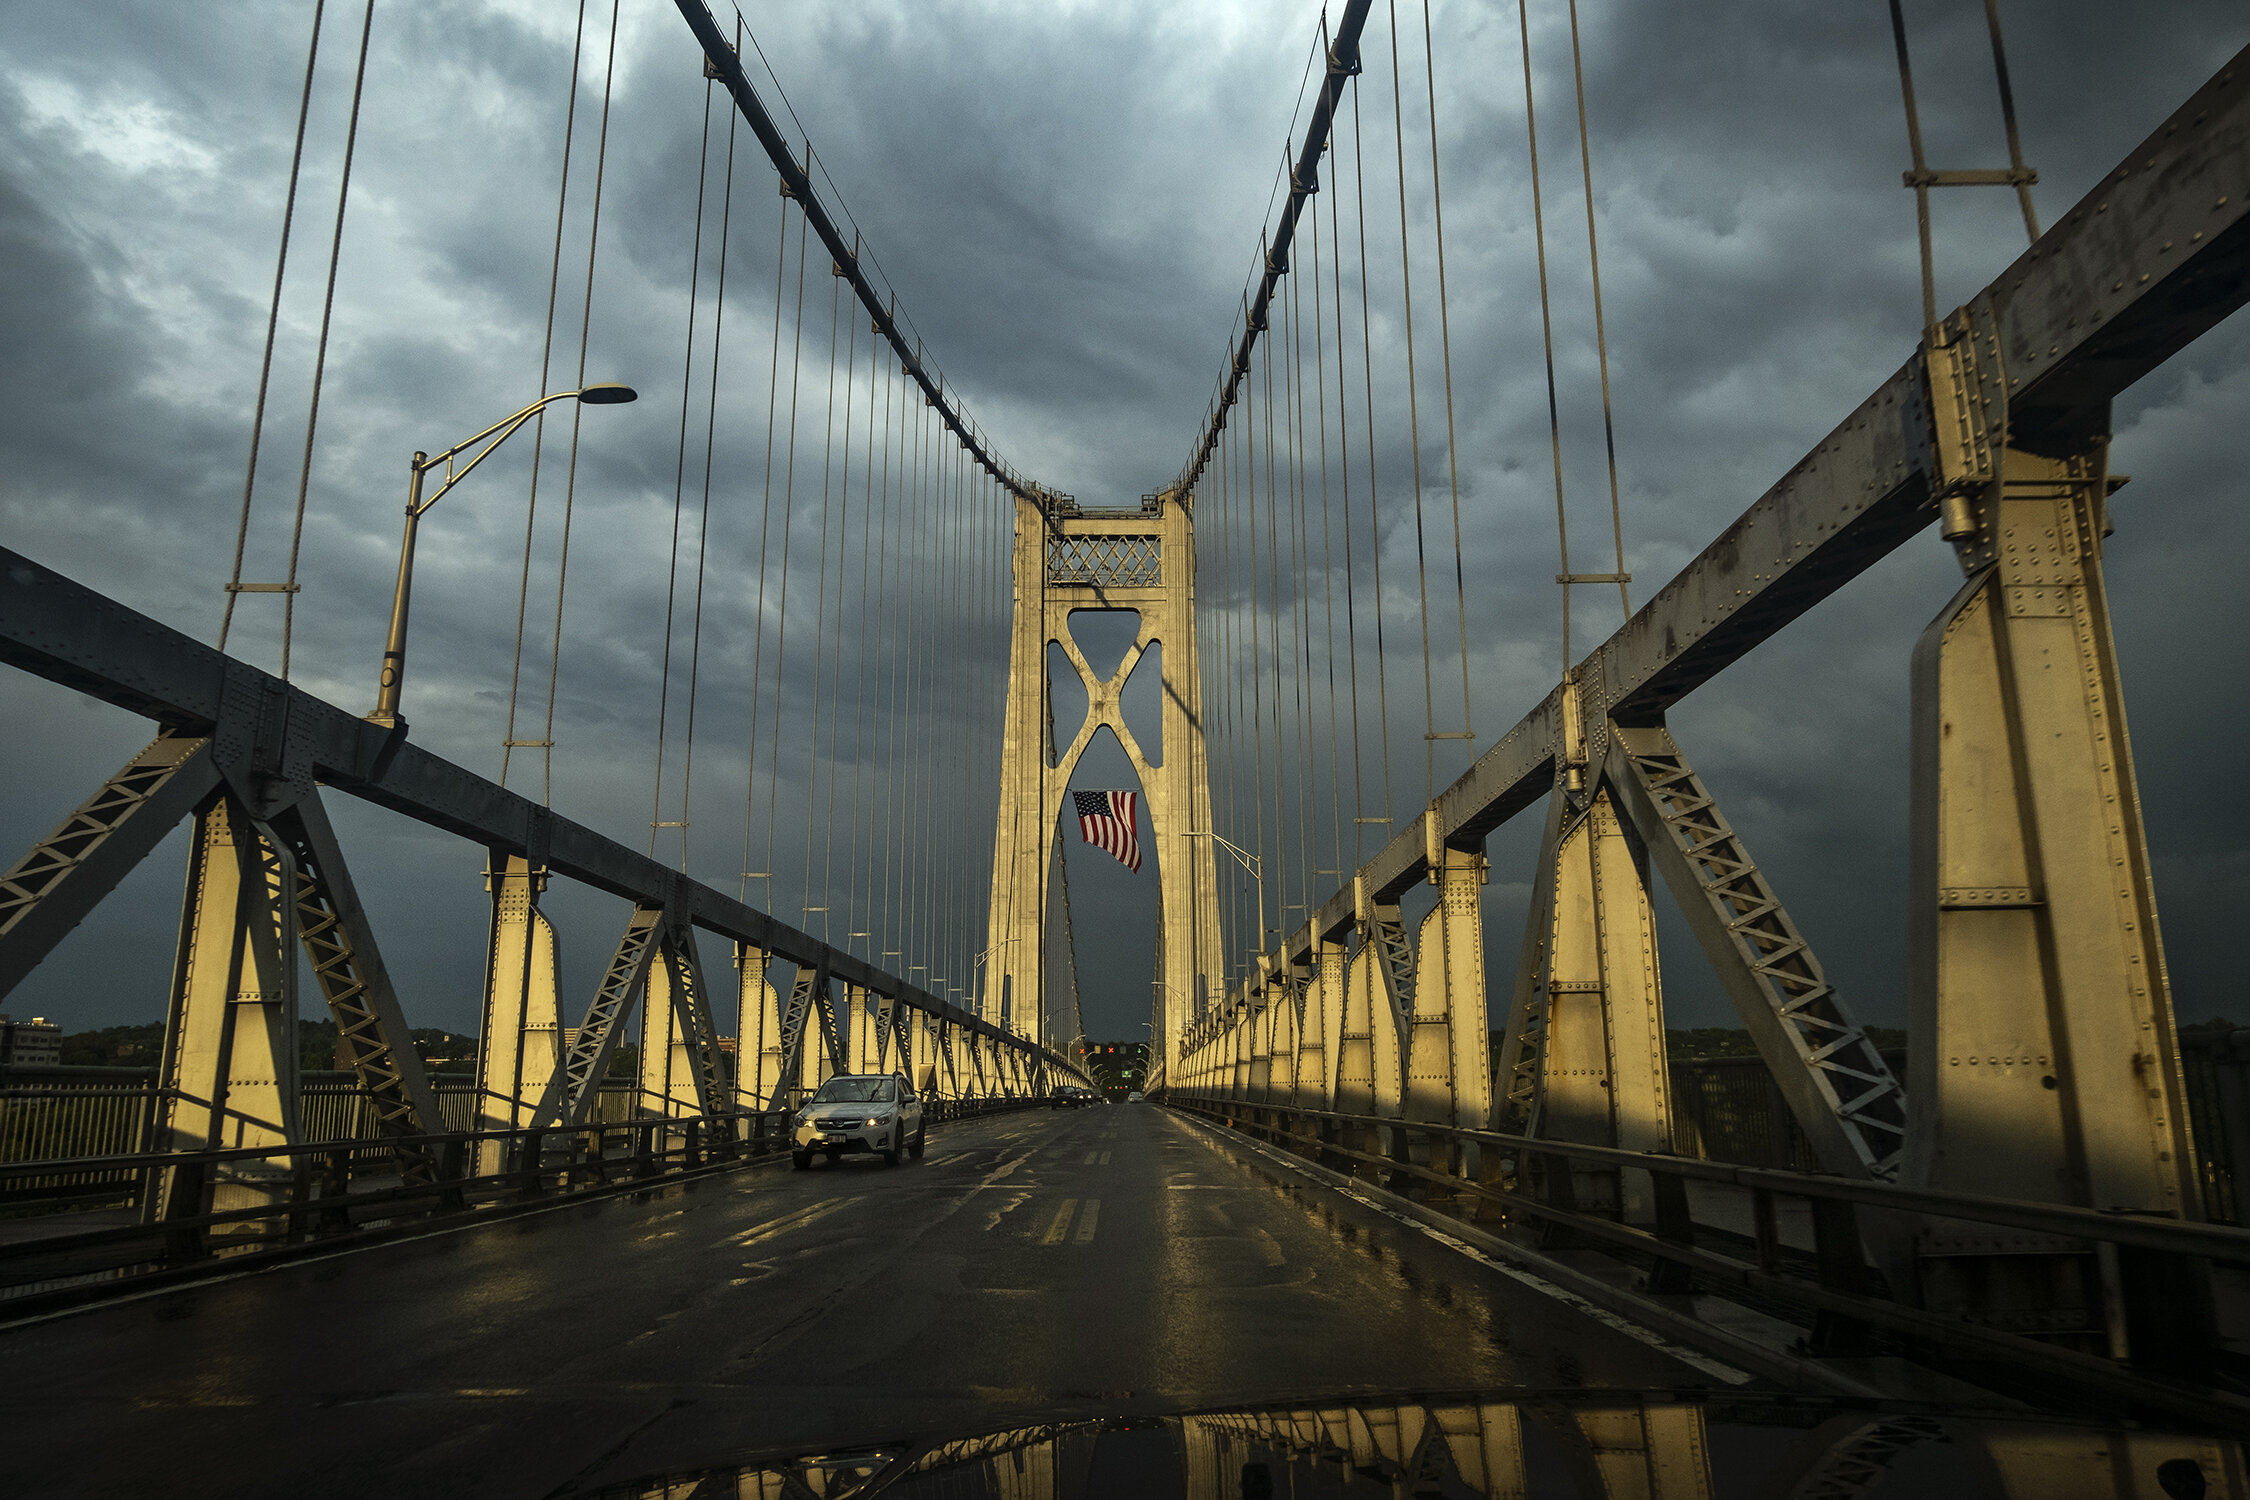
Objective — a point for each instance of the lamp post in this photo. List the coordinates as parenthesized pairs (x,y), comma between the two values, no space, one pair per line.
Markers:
(978,963)
(393,676)
(1251,862)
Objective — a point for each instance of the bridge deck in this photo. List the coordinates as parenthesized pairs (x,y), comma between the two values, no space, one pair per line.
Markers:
(1034,1264)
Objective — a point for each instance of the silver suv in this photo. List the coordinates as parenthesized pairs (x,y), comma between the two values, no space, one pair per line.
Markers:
(872,1112)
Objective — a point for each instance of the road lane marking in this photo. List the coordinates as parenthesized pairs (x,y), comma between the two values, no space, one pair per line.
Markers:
(773,1228)
(1061,1226)
(1092,1157)
(1086,1220)
(1105,1158)
(1270,1248)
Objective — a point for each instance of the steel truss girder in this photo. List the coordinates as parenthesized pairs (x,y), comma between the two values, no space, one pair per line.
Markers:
(370,1025)
(1394,962)
(276,741)
(292,889)
(1840,1090)
(66,874)
(571,1093)
(690,1020)
(2157,254)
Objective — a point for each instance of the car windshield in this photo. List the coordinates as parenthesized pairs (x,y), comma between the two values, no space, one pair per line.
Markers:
(856,1091)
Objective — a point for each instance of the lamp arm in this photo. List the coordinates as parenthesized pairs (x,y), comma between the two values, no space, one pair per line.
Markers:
(506,428)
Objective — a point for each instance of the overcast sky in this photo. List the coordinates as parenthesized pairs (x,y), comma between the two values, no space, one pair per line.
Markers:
(1066,199)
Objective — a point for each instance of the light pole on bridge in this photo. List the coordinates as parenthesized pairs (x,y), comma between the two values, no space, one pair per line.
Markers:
(392,678)
(1255,864)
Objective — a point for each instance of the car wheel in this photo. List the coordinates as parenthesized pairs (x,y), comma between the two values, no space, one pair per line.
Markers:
(890,1152)
(800,1159)
(921,1141)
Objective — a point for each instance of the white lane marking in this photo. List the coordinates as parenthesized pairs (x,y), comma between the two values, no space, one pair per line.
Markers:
(1061,1226)
(788,1222)
(1716,1369)
(1092,1157)
(1105,1158)
(1269,1247)
(1086,1220)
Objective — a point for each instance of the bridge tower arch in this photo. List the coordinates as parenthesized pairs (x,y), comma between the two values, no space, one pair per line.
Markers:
(1069,558)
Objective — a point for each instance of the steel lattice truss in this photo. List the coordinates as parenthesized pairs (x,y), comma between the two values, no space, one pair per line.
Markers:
(1128,561)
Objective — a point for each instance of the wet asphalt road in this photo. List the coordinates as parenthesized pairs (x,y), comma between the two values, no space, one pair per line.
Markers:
(1035,1264)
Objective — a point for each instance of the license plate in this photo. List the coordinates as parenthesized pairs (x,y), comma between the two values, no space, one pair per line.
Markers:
(835,1140)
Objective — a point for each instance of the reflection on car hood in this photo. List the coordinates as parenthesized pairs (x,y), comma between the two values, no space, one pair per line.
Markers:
(1522,1445)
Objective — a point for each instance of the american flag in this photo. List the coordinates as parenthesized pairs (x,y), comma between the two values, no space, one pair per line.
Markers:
(1105,820)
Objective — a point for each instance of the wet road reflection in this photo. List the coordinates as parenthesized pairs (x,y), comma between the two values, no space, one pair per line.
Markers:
(1034,1267)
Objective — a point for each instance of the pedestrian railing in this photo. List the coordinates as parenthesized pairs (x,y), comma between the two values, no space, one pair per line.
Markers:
(1521,1189)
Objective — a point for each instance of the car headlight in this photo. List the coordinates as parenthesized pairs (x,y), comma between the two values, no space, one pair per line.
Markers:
(804,1117)
(878,1121)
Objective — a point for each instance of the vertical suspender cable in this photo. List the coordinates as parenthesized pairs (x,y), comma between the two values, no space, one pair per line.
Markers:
(1601,327)
(1374,506)
(765,530)
(1344,474)
(788,537)
(820,597)
(1413,417)
(1546,327)
(703,524)
(273,321)
(1445,344)
(577,415)
(508,744)
(679,482)
(1327,550)
(320,349)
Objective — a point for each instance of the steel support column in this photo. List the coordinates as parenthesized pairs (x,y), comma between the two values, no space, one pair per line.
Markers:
(2045,1060)
(521,1045)
(230,1065)
(1588,1032)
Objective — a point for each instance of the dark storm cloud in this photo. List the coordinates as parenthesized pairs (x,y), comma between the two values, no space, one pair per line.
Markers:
(1067,200)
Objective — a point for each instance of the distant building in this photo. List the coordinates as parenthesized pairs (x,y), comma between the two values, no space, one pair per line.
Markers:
(33,1043)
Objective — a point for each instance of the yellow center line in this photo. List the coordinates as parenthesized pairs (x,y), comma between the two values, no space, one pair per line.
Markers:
(1061,1226)
(1087,1219)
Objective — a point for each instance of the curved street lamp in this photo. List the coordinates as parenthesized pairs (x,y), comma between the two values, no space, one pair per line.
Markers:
(393,675)
(1255,864)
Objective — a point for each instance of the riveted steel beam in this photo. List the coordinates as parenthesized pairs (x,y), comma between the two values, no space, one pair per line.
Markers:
(66,874)
(1843,1095)
(61,630)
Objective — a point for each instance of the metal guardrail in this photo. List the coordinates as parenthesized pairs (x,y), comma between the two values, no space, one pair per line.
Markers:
(1835,1283)
(318,1191)
(1729,1109)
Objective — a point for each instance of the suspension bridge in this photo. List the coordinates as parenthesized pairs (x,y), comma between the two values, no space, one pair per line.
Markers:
(1394,1202)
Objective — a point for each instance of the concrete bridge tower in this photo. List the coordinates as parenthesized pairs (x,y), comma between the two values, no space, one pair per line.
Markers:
(1140,561)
